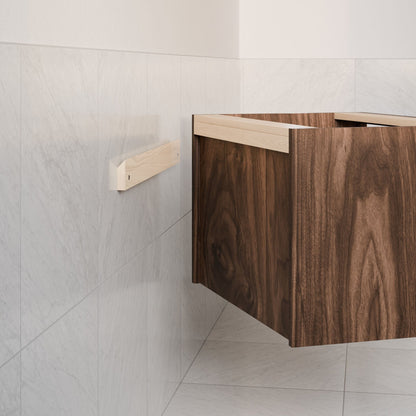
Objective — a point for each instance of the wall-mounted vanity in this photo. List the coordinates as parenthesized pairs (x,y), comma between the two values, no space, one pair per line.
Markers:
(308,221)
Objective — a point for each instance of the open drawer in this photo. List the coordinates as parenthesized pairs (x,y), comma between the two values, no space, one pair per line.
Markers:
(308,221)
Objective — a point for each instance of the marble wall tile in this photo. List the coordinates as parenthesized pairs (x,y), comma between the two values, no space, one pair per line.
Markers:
(126,218)
(193,101)
(223,86)
(363,404)
(164,318)
(9,201)
(164,100)
(297,85)
(269,365)
(59,183)
(123,339)
(381,371)
(204,400)
(59,368)
(10,387)
(386,86)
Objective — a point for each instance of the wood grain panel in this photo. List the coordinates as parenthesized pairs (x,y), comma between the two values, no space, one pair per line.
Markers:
(238,193)
(279,229)
(306,119)
(372,118)
(320,120)
(354,235)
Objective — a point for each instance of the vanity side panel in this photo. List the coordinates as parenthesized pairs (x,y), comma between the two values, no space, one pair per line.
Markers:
(279,240)
(233,214)
(354,234)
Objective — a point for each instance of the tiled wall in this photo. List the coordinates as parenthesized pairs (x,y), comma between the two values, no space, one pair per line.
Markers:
(98,315)
(297,85)
(97,312)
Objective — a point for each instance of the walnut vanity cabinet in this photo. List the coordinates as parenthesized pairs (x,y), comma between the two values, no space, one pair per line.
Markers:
(308,222)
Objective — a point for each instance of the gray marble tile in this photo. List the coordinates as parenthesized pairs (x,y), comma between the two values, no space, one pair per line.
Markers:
(164,318)
(123,339)
(223,86)
(236,325)
(59,368)
(269,365)
(364,404)
(297,85)
(386,86)
(381,371)
(9,201)
(204,400)
(193,101)
(126,223)
(59,183)
(164,100)
(10,387)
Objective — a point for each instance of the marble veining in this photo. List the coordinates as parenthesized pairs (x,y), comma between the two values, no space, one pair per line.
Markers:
(164,318)
(364,404)
(269,365)
(9,202)
(381,371)
(123,339)
(59,369)
(59,183)
(386,86)
(10,387)
(297,85)
(126,223)
(204,400)
(164,99)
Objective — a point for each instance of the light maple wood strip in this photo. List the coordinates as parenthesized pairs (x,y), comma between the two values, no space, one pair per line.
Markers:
(265,126)
(372,118)
(141,167)
(279,143)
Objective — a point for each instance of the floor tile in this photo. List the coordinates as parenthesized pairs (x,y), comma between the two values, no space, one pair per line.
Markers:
(364,404)
(399,344)
(381,371)
(269,365)
(236,325)
(204,400)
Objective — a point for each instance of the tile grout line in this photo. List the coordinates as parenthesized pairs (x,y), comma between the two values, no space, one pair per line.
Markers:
(93,290)
(243,386)
(80,48)
(300,389)
(345,380)
(99,56)
(190,365)
(20,230)
(279,344)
